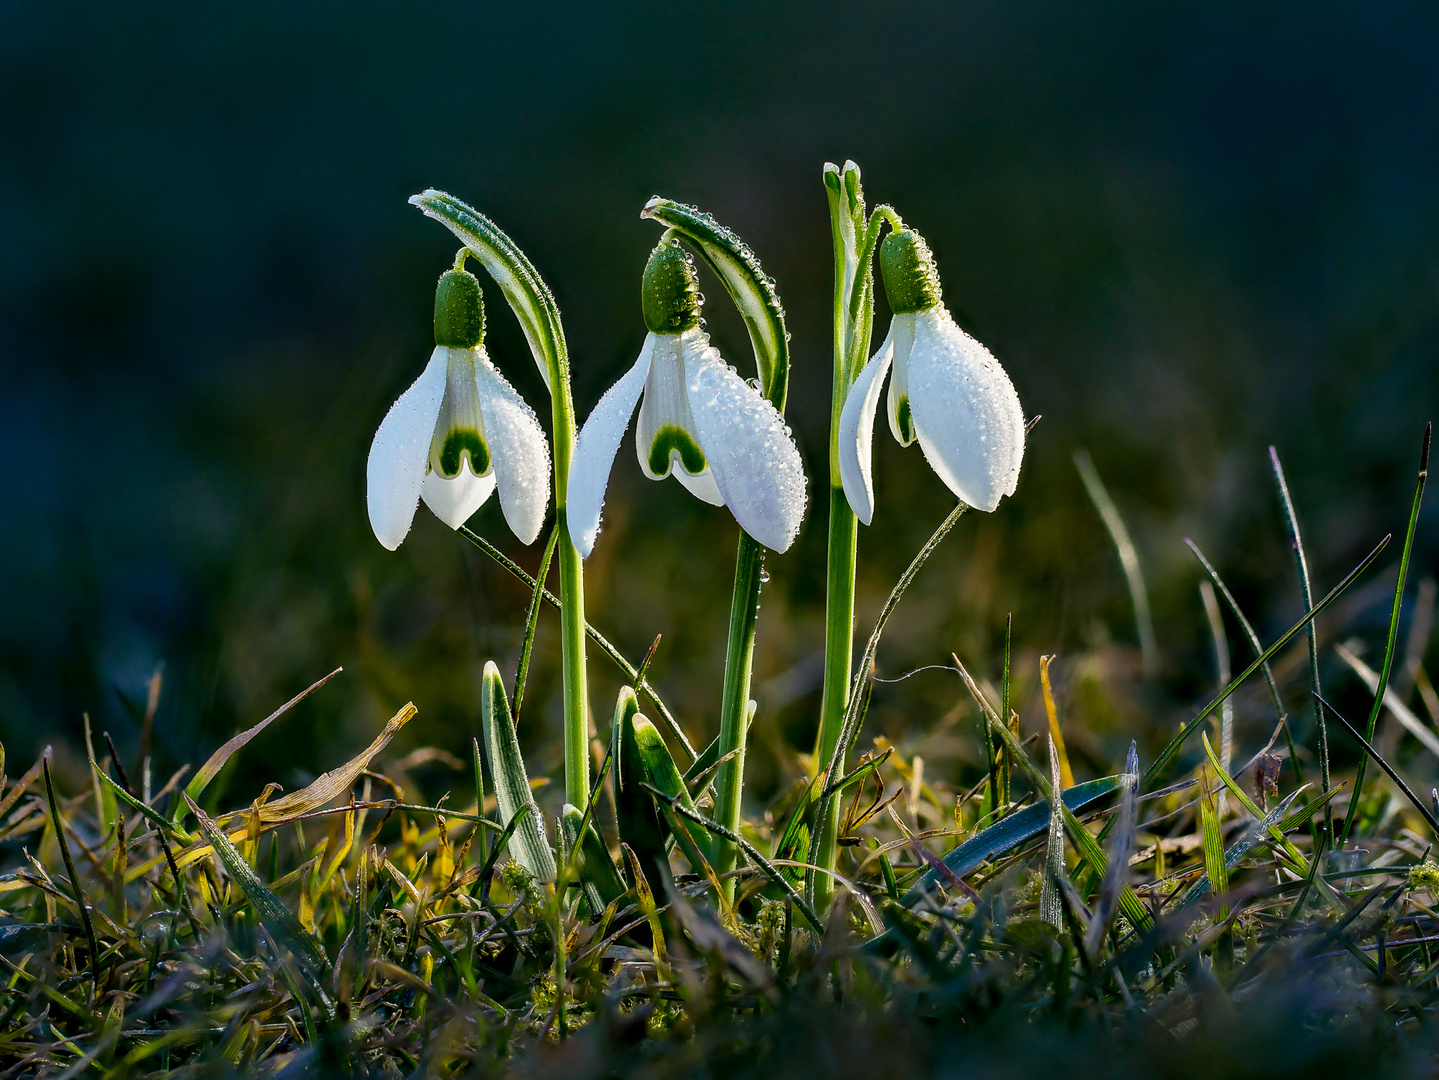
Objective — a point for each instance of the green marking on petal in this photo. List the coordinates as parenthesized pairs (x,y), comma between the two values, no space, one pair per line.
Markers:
(906,423)
(456,443)
(674,439)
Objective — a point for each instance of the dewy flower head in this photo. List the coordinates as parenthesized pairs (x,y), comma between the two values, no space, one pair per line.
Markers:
(699,420)
(458,432)
(948,391)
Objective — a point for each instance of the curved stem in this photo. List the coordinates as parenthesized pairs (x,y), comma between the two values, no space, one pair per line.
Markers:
(753,293)
(534,305)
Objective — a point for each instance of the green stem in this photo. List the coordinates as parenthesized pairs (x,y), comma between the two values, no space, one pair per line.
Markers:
(534,305)
(838,661)
(854,242)
(734,707)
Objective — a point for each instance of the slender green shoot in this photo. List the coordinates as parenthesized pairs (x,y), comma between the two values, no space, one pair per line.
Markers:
(1128,559)
(1391,644)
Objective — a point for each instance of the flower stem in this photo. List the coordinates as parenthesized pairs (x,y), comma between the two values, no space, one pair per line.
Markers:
(534,305)
(838,657)
(854,241)
(734,707)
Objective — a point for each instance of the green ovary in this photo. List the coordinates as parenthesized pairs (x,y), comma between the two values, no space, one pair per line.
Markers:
(458,441)
(671,439)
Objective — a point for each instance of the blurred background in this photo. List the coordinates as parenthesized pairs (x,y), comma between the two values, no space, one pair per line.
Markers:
(1188,231)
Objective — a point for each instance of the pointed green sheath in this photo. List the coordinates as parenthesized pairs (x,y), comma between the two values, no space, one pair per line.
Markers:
(512,785)
(599,878)
(641,826)
(663,775)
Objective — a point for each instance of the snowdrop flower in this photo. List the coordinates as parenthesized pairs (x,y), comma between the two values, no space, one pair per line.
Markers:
(948,391)
(458,432)
(699,420)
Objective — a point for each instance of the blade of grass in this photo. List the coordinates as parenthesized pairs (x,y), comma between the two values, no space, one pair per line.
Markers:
(1118,874)
(208,771)
(853,712)
(1215,864)
(279,920)
(1225,732)
(1392,642)
(1167,754)
(532,620)
(1296,539)
(1049,902)
(1424,811)
(628,669)
(1128,559)
(1066,774)
(1244,624)
(75,887)
(1392,702)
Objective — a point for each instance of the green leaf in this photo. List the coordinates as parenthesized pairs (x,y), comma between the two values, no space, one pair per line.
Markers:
(1006,835)
(512,786)
(1215,866)
(599,877)
(641,826)
(744,279)
(1218,862)
(279,920)
(662,774)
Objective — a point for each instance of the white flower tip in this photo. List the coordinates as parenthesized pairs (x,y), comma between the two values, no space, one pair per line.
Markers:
(649,207)
(583,539)
(492,670)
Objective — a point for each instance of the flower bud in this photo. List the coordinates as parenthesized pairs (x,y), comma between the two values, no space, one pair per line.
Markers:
(459,310)
(670,293)
(911,281)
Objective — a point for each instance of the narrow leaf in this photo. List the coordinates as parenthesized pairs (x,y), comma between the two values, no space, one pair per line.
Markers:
(512,785)
(279,920)
(599,878)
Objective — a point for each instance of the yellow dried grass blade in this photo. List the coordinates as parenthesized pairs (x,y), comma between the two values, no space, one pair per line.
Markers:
(1066,774)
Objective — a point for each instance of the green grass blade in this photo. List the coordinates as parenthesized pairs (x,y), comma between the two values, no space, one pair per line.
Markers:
(1128,559)
(629,671)
(279,920)
(76,889)
(1006,835)
(1393,640)
(1218,862)
(532,620)
(1424,811)
(1244,624)
(1167,754)
(512,785)
(1296,539)
(1214,858)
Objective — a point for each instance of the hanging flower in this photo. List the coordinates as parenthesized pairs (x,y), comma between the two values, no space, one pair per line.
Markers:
(948,391)
(699,421)
(458,432)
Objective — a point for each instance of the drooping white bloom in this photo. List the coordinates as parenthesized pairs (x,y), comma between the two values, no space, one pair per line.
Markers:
(947,390)
(699,420)
(457,433)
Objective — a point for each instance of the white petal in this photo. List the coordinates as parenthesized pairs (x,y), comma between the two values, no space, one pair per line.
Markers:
(701,485)
(519,452)
(454,500)
(749,449)
(966,412)
(396,469)
(856,431)
(901,332)
(595,448)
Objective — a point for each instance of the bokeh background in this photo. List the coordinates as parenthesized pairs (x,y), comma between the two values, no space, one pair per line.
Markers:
(1189,231)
